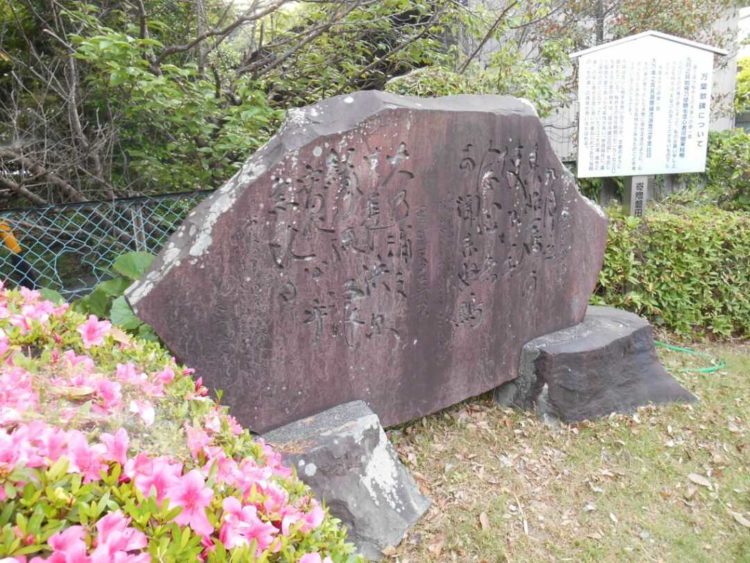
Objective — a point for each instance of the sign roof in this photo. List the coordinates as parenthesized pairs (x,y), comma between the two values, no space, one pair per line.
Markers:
(651,33)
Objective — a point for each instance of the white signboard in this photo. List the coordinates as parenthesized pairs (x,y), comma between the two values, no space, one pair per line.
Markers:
(644,108)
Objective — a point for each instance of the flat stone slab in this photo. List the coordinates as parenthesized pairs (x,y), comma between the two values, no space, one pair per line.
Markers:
(344,455)
(395,250)
(605,364)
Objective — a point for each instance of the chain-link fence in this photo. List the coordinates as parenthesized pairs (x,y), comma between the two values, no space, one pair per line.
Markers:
(70,248)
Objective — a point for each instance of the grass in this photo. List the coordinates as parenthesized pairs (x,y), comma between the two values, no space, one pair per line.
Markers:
(668,483)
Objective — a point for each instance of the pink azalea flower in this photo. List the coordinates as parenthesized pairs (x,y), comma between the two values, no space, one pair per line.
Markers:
(40,311)
(117,446)
(305,521)
(200,389)
(68,546)
(30,296)
(128,373)
(208,547)
(4,342)
(314,558)
(152,388)
(17,394)
(115,540)
(84,458)
(54,441)
(10,456)
(226,467)
(212,422)
(153,476)
(197,440)
(79,364)
(145,410)
(276,499)
(313,518)
(241,526)
(21,322)
(291,516)
(29,441)
(234,426)
(190,493)
(250,474)
(141,464)
(60,309)
(274,460)
(165,376)
(109,393)
(93,331)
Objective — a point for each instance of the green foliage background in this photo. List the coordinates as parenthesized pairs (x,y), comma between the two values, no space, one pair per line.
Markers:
(686,269)
(742,87)
(100,100)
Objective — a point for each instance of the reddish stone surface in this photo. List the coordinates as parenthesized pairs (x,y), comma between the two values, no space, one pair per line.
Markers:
(396,250)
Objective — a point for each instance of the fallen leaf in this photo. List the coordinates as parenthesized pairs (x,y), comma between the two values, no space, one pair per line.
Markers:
(389,551)
(119,335)
(484,521)
(741,520)
(73,392)
(700,480)
(436,546)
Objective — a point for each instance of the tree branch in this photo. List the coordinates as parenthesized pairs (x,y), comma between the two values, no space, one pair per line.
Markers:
(173,49)
(19,190)
(487,36)
(402,46)
(312,34)
(37,168)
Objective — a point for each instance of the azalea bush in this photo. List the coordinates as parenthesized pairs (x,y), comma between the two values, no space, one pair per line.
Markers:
(111,452)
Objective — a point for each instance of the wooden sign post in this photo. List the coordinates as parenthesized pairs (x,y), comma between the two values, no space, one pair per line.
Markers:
(644,109)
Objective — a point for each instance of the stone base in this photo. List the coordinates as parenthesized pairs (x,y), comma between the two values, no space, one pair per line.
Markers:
(603,365)
(345,457)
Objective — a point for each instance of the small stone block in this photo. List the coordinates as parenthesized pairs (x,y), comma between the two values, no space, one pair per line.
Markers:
(344,455)
(605,364)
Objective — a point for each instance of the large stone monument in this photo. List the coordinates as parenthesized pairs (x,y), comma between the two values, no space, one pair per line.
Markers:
(396,250)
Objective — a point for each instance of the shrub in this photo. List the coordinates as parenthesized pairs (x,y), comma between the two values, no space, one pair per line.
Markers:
(742,93)
(728,169)
(726,181)
(110,451)
(687,270)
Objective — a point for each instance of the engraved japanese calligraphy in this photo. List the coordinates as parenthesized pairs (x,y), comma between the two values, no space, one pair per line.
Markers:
(395,250)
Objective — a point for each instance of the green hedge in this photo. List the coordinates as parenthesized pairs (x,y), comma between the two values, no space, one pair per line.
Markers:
(685,269)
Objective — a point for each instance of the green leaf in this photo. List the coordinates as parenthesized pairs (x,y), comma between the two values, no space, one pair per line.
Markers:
(52,295)
(133,264)
(96,303)
(122,315)
(10,491)
(114,287)
(147,333)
